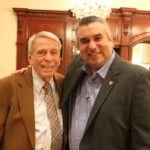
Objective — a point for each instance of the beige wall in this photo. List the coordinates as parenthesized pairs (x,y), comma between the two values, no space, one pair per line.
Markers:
(141,55)
(8,25)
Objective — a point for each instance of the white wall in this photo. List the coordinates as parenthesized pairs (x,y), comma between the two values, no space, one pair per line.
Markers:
(8,25)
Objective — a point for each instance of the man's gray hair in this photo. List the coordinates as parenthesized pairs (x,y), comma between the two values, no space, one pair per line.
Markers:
(91,19)
(42,34)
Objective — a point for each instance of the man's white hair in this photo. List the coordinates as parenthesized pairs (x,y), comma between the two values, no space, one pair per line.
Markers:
(42,34)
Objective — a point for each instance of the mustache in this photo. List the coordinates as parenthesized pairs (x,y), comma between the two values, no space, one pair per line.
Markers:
(93,52)
(42,66)
(45,66)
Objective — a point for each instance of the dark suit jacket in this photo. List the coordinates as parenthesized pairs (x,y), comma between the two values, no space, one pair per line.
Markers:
(17,125)
(120,117)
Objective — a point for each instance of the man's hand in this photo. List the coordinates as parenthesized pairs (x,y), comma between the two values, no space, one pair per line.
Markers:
(20,71)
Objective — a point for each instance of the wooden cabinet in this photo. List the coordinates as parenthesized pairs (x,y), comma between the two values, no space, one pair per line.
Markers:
(115,24)
(128,26)
(32,21)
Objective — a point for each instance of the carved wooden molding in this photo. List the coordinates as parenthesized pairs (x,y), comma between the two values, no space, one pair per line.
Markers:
(129,26)
(33,12)
(140,38)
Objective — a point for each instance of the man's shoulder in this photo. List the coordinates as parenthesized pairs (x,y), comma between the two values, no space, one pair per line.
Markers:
(9,81)
(76,63)
(59,75)
(9,78)
(26,76)
(59,78)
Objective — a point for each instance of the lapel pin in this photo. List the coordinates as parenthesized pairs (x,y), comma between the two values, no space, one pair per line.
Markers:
(111,82)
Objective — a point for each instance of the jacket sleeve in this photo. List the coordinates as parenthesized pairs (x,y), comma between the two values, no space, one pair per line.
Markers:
(140,114)
(4,109)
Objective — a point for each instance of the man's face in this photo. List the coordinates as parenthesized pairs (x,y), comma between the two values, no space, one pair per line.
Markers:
(95,46)
(45,57)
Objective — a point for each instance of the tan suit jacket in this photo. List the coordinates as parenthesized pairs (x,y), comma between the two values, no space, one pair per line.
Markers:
(17,122)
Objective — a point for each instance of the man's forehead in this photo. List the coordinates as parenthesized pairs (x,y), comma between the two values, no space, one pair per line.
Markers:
(98,34)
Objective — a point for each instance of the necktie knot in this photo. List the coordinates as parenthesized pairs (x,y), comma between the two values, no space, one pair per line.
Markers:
(47,88)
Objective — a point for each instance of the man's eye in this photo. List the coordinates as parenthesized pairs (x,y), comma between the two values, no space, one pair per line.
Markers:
(54,52)
(98,38)
(41,53)
(84,41)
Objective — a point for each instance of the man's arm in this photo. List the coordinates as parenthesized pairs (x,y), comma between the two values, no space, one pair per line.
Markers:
(4,108)
(140,114)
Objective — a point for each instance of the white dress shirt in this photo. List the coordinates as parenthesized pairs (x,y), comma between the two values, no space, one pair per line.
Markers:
(86,95)
(42,125)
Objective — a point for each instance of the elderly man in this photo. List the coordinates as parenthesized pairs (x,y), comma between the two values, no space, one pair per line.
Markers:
(30,117)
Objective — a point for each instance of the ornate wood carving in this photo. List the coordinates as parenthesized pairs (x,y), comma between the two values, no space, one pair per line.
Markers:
(32,21)
(129,26)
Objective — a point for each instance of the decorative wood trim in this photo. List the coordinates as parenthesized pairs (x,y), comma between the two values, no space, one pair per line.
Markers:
(35,12)
(129,26)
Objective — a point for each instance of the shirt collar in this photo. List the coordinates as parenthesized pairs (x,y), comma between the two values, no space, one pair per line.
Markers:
(38,82)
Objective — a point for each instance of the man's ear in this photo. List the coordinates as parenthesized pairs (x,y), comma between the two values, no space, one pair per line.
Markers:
(30,58)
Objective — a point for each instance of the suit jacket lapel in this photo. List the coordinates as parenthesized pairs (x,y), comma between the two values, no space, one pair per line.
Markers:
(26,102)
(108,84)
(72,81)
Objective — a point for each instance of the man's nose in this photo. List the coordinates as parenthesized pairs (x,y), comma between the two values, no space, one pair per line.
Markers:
(48,55)
(92,45)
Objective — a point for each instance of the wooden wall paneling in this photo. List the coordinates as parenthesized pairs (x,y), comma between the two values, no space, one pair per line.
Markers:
(140,30)
(55,25)
(21,42)
(32,21)
(126,31)
(128,25)
(115,24)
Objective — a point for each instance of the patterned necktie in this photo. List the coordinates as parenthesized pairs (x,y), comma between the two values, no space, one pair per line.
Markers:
(56,130)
